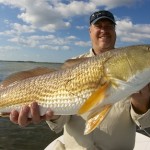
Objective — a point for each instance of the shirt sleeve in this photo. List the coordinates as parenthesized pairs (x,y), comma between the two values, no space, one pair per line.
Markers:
(143,121)
(58,124)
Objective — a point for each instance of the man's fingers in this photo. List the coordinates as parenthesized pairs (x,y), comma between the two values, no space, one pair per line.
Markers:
(14,116)
(23,116)
(145,91)
(35,113)
(48,115)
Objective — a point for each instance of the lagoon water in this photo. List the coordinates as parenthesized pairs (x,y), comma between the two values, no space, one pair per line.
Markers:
(13,137)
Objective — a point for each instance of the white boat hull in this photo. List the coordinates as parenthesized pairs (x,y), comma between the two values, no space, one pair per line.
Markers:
(142,142)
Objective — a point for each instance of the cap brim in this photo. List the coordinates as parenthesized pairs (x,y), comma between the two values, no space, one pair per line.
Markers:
(104,17)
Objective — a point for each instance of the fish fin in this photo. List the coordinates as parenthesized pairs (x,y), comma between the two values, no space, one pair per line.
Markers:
(95,98)
(71,62)
(14,78)
(4,114)
(95,119)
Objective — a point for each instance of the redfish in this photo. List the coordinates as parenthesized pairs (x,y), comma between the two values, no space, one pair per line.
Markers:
(90,87)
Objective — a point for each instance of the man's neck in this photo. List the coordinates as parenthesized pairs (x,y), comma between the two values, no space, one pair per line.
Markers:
(100,51)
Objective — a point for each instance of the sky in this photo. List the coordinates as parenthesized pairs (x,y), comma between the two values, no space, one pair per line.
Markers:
(56,30)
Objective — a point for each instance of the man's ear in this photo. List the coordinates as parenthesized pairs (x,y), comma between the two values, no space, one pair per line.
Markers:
(89,29)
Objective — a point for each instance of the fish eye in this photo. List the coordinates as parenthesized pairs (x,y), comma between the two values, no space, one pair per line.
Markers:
(147,48)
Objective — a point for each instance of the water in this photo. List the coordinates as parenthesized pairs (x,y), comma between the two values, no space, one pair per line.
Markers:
(7,68)
(13,137)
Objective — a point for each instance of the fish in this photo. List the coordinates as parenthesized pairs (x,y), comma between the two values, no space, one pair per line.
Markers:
(87,87)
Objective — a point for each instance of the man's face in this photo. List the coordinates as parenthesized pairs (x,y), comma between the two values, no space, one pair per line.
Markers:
(103,35)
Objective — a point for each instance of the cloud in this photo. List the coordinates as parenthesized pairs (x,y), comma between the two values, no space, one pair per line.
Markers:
(83,43)
(71,37)
(82,27)
(17,29)
(8,33)
(109,4)
(129,32)
(55,14)
(8,48)
(40,19)
(44,42)
(56,48)
(24,41)
(22,28)
(75,8)
(39,14)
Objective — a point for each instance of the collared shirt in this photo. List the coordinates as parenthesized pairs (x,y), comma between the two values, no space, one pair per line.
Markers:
(88,54)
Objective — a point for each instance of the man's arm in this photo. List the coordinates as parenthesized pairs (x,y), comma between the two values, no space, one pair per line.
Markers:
(141,101)
(140,107)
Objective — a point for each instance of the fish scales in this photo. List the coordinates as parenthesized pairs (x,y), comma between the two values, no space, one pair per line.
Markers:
(54,90)
(91,86)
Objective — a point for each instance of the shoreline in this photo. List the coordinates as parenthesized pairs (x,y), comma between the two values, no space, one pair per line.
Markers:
(30,61)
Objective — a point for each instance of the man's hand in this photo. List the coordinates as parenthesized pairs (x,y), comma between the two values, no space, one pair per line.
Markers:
(22,119)
(141,101)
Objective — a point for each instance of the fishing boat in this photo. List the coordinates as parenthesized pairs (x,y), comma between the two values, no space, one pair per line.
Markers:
(142,142)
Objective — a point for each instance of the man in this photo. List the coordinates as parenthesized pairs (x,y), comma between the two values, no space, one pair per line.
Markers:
(117,131)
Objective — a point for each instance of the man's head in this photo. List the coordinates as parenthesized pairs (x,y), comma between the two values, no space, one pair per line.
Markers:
(102,31)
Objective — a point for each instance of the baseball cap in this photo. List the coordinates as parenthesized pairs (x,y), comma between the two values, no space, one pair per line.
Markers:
(103,14)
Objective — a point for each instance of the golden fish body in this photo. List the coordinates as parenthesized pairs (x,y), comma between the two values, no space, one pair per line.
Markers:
(91,86)
(63,91)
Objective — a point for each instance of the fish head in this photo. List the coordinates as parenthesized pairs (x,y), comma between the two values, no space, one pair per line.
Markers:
(129,62)
(139,57)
